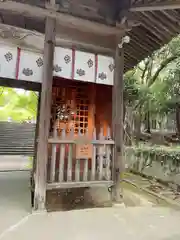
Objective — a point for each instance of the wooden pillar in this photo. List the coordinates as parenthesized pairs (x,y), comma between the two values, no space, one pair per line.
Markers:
(44,119)
(118,129)
(35,151)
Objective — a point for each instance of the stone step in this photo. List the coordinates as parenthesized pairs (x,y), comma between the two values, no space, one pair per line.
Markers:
(17,138)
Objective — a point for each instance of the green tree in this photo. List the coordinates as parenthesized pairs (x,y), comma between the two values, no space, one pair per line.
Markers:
(17,104)
(157,81)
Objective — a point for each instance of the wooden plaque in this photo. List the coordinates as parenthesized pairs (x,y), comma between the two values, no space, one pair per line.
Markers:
(84,148)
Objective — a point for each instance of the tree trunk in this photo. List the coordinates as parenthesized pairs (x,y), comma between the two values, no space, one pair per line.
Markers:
(124,110)
(147,123)
(137,124)
(178,120)
(128,126)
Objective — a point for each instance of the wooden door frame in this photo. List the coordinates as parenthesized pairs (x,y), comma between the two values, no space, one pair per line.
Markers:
(30,86)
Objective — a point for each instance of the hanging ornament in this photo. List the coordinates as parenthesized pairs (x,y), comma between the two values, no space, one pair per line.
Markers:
(65,113)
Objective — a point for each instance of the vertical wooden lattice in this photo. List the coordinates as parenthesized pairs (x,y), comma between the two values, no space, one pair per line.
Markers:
(72,98)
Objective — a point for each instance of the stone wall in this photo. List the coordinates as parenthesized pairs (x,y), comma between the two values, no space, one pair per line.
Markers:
(163,165)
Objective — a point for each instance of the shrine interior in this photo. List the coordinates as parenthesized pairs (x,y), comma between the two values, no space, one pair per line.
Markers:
(79,109)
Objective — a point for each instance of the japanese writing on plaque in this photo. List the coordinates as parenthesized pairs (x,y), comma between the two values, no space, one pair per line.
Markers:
(84,149)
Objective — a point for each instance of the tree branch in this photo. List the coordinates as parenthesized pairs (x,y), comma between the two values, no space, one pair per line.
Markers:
(2,91)
(145,69)
(162,66)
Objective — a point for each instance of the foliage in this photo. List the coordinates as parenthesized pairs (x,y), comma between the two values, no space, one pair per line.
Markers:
(30,163)
(17,104)
(157,151)
(152,73)
(144,156)
(152,90)
(153,86)
(131,88)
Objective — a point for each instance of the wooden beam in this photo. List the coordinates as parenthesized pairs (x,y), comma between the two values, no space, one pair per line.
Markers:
(66,185)
(68,38)
(146,46)
(118,129)
(130,56)
(153,18)
(151,39)
(172,18)
(76,35)
(137,53)
(44,119)
(82,46)
(151,28)
(62,19)
(168,22)
(155,6)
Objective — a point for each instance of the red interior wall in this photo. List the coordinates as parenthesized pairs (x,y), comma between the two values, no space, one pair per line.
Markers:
(100,97)
(103,112)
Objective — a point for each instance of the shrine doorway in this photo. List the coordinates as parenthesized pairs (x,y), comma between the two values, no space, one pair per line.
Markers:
(16,165)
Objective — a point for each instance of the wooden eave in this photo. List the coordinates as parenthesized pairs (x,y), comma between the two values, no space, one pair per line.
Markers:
(149,25)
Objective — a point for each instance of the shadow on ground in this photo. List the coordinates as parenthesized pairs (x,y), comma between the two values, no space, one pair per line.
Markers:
(79,198)
(89,198)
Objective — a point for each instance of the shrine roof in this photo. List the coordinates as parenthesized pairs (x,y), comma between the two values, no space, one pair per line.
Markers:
(150,24)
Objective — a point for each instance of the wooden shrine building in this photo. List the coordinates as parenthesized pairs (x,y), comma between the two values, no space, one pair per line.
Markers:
(75,52)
